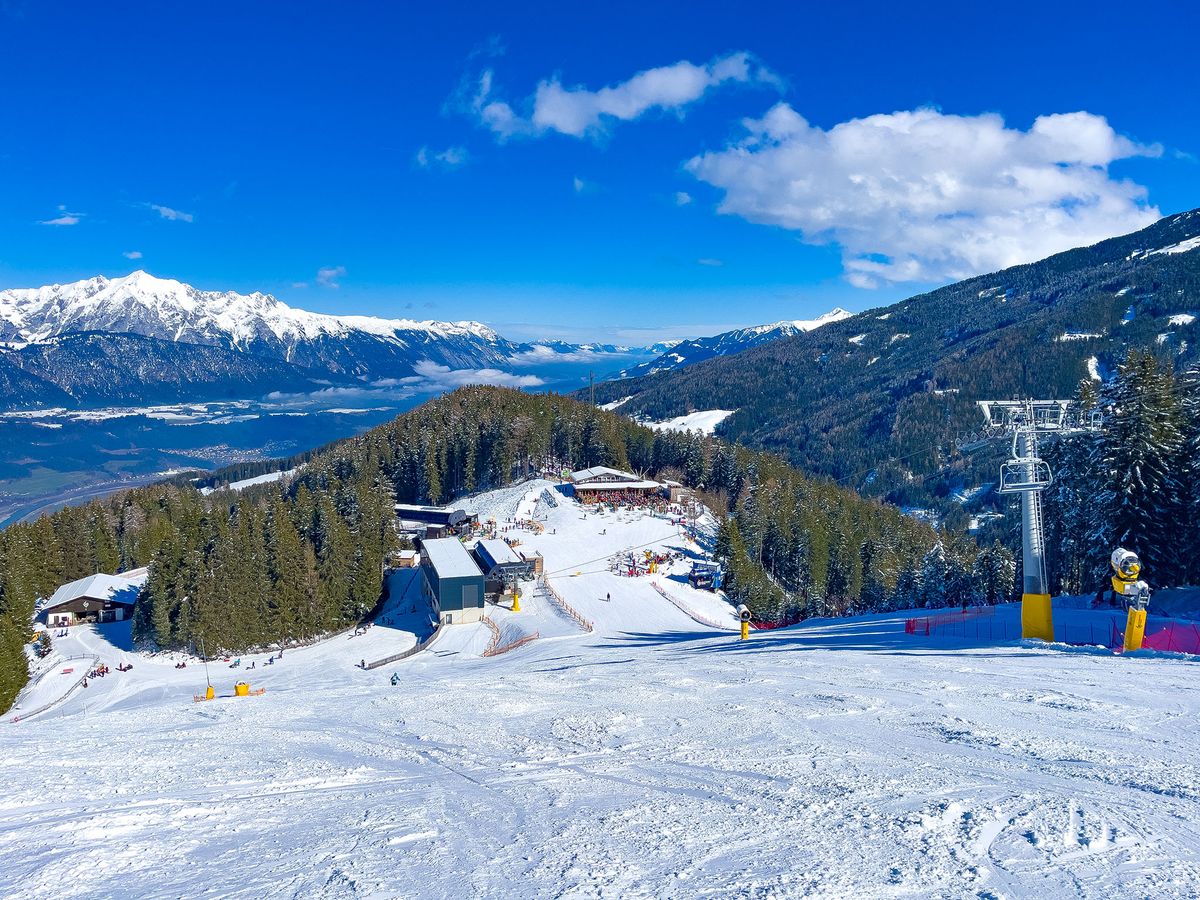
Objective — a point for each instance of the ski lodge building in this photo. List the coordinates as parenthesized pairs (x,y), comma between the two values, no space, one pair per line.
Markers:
(589,483)
(452,582)
(432,521)
(96,598)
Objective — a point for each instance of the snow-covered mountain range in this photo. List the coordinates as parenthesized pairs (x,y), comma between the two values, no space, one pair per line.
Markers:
(678,354)
(257,323)
(48,344)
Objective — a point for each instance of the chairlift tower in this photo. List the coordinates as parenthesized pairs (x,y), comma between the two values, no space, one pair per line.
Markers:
(1028,475)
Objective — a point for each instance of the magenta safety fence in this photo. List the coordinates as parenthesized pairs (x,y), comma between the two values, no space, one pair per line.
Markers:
(981,623)
(1176,637)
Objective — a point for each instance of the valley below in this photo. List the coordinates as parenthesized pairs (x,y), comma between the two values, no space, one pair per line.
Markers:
(55,456)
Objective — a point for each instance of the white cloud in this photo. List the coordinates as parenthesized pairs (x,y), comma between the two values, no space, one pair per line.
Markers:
(709,261)
(682,198)
(450,158)
(132,254)
(579,184)
(65,218)
(539,354)
(173,215)
(327,276)
(577,111)
(432,375)
(923,196)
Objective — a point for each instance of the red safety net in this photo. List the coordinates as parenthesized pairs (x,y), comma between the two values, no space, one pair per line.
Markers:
(1176,637)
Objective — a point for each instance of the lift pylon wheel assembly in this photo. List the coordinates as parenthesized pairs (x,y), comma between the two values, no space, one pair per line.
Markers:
(1028,475)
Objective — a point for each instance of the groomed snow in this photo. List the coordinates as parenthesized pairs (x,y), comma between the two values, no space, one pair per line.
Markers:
(615,403)
(248,482)
(705,420)
(653,757)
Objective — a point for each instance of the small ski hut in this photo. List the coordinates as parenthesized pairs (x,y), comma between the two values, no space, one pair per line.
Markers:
(452,582)
(96,598)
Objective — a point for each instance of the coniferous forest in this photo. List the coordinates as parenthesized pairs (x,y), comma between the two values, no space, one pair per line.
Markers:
(291,560)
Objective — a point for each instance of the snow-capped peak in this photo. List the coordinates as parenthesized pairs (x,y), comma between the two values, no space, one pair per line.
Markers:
(164,308)
(834,315)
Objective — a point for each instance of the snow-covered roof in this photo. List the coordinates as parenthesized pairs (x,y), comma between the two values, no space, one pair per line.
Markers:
(599,471)
(449,557)
(499,552)
(117,588)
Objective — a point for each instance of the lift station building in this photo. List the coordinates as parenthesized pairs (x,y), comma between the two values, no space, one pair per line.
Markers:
(453,583)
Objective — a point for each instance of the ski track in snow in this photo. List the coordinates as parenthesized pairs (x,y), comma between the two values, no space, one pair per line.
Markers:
(653,758)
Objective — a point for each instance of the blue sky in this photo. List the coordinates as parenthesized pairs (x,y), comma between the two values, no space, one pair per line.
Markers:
(747,162)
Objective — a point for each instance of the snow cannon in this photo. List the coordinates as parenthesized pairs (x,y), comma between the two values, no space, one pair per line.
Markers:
(743,612)
(242,689)
(209,694)
(1126,583)
(1126,568)
(516,604)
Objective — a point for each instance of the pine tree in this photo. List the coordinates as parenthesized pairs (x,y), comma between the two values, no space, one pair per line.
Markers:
(1140,451)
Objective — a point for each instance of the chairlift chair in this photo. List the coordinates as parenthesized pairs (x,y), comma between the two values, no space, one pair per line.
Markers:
(1024,474)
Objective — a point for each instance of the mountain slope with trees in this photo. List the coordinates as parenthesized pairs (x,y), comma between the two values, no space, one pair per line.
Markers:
(878,399)
(293,559)
(93,368)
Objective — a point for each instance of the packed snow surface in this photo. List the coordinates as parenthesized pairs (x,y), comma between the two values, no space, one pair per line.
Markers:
(615,403)
(653,757)
(706,421)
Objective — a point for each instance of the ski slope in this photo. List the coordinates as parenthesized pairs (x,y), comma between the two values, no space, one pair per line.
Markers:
(653,757)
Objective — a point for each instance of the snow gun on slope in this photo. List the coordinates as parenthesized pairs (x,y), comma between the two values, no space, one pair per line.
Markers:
(1127,584)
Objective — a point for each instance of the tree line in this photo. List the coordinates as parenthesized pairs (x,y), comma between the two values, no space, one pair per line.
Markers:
(291,560)
(1133,484)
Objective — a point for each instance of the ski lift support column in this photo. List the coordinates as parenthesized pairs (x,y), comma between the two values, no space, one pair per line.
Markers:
(1028,475)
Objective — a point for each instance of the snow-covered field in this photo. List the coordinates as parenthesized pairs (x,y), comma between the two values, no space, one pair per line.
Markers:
(654,757)
(705,421)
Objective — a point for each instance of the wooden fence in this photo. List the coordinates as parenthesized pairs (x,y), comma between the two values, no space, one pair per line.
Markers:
(93,662)
(411,651)
(494,648)
(565,606)
(691,614)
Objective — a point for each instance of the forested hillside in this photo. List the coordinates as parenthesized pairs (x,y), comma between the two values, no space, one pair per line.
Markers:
(881,397)
(287,561)
(1135,484)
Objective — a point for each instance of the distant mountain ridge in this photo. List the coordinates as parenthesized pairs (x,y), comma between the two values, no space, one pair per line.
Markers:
(254,323)
(878,398)
(679,354)
(96,368)
(263,343)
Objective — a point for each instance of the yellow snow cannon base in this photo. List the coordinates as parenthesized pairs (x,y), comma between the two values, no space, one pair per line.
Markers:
(1036,618)
(745,630)
(1135,629)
